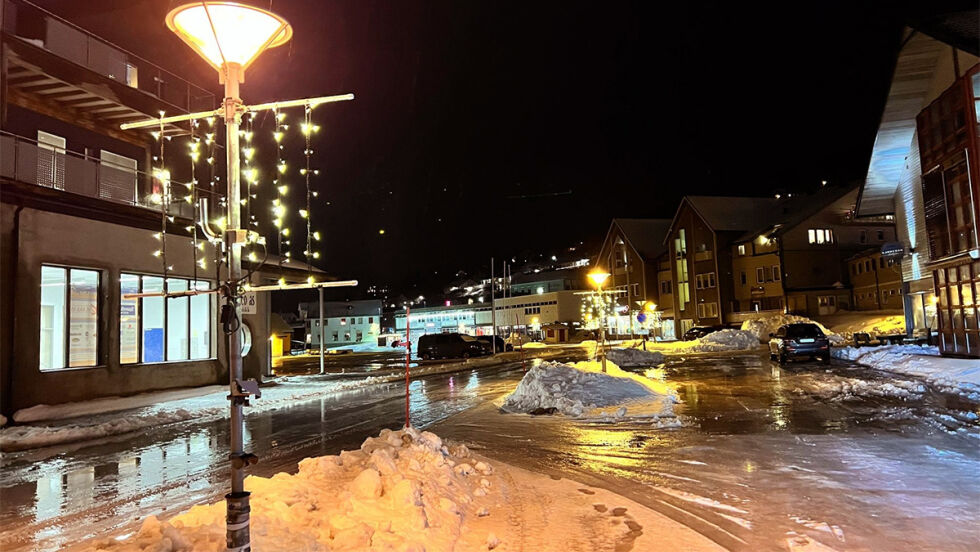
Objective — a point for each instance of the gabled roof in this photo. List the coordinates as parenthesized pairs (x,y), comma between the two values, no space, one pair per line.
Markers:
(732,214)
(789,213)
(645,236)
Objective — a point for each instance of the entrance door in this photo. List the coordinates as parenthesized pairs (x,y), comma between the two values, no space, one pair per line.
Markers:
(50,160)
(826,304)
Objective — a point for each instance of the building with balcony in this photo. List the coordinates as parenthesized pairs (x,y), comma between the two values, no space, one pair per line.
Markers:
(923,169)
(634,254)
(83,221)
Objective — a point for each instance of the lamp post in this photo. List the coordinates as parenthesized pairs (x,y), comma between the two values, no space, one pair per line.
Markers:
(230,37)
(598,277)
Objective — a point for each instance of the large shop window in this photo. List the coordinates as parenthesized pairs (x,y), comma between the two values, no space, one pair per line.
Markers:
(154,329)
(69,335)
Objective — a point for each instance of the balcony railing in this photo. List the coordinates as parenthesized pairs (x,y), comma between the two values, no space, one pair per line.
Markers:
(30,162)
(39,27)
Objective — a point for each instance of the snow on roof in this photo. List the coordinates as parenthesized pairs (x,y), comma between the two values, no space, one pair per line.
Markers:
(728,214)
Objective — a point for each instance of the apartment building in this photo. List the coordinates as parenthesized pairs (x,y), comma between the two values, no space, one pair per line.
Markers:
(923,169)
(633,252)
(876,281)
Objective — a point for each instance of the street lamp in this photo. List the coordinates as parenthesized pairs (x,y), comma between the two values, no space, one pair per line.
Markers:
(230,36)
(598,277)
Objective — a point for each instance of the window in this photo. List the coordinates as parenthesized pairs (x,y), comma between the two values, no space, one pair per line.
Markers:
(707,310)
(335,336)
(636,290)
(867,265)
(346,336)
(776,276)
(821,236)
(741,249)
(768,272)
(854,269)
(69,335)
(360,335)
(741,277)
(343,321)
(155,329)
(881,262)
(665,287)
(370,320)
(760,275)
(881,235)
(705,281)
(680,244)
(863,237)
(360,320)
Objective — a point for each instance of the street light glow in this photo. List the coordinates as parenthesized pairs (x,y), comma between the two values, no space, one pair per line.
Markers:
(228,32)
(598,277)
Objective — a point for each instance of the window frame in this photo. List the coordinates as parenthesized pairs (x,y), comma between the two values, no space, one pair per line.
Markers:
(211,320)
(99,313)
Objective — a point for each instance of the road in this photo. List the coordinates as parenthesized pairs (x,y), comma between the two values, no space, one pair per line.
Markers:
(852,459)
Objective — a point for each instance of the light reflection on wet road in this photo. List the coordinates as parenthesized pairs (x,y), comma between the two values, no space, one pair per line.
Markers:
(766,451)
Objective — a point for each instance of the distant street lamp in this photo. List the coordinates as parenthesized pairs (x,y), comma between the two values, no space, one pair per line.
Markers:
(598,277)
(230,37)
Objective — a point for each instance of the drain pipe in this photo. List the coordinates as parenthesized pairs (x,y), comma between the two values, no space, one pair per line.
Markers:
(14,257)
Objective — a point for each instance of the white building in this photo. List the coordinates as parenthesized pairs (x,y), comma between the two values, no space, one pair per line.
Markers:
(344,322)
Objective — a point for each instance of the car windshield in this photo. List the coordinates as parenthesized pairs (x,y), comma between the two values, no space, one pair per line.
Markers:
(803,330)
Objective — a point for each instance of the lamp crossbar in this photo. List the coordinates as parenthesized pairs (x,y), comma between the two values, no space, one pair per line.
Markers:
(312,102)
(271,287)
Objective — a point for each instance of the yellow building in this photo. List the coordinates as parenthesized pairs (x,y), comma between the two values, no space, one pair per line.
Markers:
(876,281)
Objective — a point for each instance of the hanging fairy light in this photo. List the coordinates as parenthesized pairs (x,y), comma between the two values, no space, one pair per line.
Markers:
(162,175)
(281,187)
(308,128)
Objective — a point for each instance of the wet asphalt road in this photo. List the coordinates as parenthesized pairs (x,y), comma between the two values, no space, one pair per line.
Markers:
(766,454)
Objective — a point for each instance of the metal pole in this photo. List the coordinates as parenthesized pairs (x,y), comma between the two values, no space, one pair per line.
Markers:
(629,304)
(323,369)
(602,331)
(237,520)
(408,360)
(493,307)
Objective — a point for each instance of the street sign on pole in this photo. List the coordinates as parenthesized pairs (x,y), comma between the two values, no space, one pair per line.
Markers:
(248,303)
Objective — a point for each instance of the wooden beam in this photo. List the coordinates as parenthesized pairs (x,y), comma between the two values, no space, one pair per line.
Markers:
(71,116)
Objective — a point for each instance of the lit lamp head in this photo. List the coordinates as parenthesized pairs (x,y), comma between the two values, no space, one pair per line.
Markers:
(228,33)
(598,277)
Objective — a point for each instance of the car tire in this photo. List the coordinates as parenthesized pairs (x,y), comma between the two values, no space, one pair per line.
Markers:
(826,359)
(425,356)
(466,356)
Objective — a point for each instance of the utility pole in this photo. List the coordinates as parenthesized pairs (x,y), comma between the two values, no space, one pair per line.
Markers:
(323,369)
(493,307)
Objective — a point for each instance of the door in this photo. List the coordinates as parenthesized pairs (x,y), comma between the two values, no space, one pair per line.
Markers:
(50,160)
(117,177)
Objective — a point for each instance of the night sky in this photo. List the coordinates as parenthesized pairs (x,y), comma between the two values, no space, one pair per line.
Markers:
(512,128)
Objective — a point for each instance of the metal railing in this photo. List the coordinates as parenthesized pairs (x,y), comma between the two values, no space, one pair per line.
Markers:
(30,162)
(35,25)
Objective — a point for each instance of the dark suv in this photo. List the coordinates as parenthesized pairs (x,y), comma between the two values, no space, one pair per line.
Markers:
(489,339)
(450,345)
(697,332)
(799,340)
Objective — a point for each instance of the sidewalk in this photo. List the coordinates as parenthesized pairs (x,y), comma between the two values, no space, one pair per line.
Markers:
(960,376)
(117,415)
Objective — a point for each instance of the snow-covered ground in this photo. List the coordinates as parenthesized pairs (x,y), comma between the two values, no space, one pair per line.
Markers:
(763,326)
(406,490)
(847,323)
(960,375)
(583,389)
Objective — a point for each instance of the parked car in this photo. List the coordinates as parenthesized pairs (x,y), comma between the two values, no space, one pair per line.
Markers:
(799,340)
(697,332)
(297,347)
(450,345)
(489,339)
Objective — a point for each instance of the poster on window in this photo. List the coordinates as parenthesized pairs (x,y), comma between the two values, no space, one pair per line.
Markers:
(83,337)
(128,332)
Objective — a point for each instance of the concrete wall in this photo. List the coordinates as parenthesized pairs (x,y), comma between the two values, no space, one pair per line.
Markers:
(46,237)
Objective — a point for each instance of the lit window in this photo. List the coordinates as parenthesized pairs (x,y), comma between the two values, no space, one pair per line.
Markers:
(69,318)
(760,275)
(741,249)
(820,236)
(775,273)
(173,329)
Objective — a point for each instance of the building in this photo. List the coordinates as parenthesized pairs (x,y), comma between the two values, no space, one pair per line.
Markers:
(876,281)
(796,262)
(699,247)
(344,323)
(923,169)
(83,222)
(545,281)
(635,255)
(523,313)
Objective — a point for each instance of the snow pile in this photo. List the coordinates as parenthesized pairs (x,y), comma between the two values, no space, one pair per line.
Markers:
(847,323)
(842,389)
(403,490)
(574,389)
(3,420)
(763,326)
(727,340)
(635,357)
(958,375)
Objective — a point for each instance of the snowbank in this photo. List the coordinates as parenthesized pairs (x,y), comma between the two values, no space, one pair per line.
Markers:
(959,375)
(634,357)
(720,341)
(408,491)
(762,327)
(200,408)
(847,323)
(403,490)
(575,389)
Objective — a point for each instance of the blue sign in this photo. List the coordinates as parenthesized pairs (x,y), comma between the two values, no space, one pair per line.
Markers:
(642,317)
(153,345)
